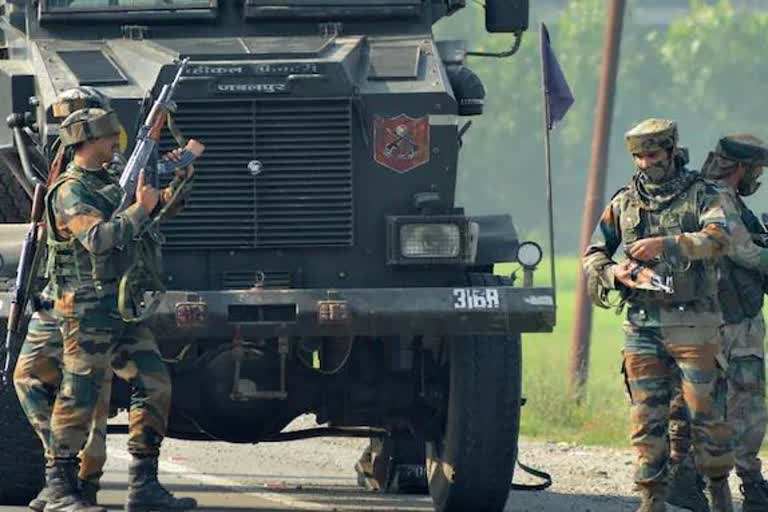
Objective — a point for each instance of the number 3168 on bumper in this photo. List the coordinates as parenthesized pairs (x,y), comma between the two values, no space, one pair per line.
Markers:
(476,298)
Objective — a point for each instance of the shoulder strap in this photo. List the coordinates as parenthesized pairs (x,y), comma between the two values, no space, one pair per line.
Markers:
(618,192)
(51,220)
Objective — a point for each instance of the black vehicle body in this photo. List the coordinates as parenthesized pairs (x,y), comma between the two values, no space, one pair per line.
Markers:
(330,128)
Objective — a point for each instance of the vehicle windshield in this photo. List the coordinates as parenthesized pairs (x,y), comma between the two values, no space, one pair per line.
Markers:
(330,9)
(110,5)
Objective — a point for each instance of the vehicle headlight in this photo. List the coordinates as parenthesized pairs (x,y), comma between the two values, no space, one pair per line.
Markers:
(529,254)
(430,240)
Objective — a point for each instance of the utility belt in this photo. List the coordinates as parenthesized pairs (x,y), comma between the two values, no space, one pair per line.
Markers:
(702,312)
(97,289)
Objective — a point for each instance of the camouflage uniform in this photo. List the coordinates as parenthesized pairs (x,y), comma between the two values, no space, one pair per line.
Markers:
(668,333)
(741,288)
(38,371)
(85,248)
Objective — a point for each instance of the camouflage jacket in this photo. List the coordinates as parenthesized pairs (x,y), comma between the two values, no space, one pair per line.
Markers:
(695,232)
(747,249)
(86,246)
(743,272)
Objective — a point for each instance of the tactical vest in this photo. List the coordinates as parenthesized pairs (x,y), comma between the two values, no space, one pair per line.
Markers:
(68,260)
(740,289)
(693,281)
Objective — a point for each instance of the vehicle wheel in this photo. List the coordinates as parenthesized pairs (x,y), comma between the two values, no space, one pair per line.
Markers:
(470,466)
(14,202)
(22,463)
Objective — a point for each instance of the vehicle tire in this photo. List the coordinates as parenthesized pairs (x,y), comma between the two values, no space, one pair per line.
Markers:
(21,461)
(14,202)
(471,465)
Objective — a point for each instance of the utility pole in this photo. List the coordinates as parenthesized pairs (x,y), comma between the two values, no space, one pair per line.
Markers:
(593,202)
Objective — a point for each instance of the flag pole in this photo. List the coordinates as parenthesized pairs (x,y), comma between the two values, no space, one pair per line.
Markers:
(548,165)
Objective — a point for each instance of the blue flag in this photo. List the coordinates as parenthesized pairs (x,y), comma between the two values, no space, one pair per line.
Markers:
(557,92)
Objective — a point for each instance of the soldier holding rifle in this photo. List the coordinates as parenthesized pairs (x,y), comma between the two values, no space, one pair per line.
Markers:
(671,221)
(89,239)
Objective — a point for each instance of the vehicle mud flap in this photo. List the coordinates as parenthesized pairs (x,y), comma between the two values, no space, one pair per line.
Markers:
(533,472)
(492,280)
(538,473)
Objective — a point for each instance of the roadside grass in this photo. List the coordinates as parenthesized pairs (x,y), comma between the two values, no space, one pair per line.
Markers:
(550,413)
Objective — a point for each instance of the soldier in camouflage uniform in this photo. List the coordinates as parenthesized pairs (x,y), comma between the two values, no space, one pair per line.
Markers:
(736,165)
(85,246)
(671,225)
(38,370)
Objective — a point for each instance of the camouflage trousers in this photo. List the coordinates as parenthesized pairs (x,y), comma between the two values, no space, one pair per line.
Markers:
(37,379)
(743,345)
(93,338)
(655,358)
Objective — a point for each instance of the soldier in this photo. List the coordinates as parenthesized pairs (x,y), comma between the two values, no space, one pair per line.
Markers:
(673,229)
(736,164)
(83,267)
(38,369)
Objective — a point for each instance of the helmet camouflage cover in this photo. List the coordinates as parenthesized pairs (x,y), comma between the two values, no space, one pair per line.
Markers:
(652,135)
(78,98)
(88,124)
(743,148)
(732,150)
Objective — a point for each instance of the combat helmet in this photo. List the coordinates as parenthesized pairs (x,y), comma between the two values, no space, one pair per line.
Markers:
(77,98)
(652,135)
(88,124)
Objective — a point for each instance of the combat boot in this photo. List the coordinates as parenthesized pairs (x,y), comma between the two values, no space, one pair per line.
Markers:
(145,494)
(89,489)
(652,498)
(41,500)
(686,488)
(64,494)
(719,495)
(755,496)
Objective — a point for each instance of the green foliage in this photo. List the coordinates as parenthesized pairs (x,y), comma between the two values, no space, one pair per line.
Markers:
(705,70)
(717,54)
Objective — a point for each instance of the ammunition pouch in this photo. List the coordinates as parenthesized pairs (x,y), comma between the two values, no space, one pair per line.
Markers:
(143,275)
(693,281)
(597,293)
(740,291)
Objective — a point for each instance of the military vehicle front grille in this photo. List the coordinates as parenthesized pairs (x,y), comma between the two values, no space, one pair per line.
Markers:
(244,280)
(301,198)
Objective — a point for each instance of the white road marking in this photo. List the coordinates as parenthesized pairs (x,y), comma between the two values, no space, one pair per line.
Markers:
(192,474)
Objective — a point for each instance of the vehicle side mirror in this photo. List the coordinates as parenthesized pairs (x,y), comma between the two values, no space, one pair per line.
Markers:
(509,16)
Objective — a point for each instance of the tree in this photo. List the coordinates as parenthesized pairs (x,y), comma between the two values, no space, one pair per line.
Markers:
(698,71)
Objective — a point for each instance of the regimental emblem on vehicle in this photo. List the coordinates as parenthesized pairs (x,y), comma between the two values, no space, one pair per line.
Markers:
(401,143)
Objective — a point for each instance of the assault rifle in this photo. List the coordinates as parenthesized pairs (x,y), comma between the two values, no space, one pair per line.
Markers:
(145,152)
(658,283)
(29,261)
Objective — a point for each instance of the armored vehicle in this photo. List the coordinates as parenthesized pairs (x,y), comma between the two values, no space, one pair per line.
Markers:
(322,264)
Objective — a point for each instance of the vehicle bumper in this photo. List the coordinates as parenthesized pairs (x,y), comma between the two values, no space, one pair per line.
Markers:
(338,312)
